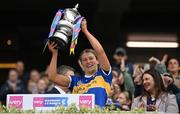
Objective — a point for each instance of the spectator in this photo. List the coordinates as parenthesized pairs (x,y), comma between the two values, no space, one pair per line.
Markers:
(172,87)
(12,86)
(125,99)
(140,69)
(154,96)
(115,90)
(34,75)
(122,80)
(137,75)
(49,84)
(174,69)
(31,88)
(20,67)
(41,86)
(119,54)
(122,101)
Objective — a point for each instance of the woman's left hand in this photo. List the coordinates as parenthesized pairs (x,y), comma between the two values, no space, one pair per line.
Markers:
(84,25)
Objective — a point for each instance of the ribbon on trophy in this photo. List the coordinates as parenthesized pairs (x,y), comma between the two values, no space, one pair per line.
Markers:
(53,25)
(55,22)
(75,34)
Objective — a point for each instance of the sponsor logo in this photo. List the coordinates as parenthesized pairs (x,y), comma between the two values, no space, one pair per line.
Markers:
(85,101)
(15,102)
(38,102)
(49,101)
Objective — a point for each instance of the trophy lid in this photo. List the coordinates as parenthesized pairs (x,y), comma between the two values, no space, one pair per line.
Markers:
(71,13)
(76,7)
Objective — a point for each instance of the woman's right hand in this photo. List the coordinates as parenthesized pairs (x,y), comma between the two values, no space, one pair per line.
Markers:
(51,46)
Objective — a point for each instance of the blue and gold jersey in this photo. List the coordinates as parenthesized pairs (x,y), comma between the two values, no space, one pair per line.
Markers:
(98,84)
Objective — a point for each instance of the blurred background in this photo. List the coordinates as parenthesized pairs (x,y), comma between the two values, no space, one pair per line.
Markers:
(25,24)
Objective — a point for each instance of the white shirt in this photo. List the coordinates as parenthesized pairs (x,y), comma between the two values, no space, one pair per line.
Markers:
(60,90)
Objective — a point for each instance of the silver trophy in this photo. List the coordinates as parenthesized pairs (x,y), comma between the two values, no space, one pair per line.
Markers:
(65,29)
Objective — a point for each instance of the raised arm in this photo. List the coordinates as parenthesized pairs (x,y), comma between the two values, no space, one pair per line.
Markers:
(52,72)
(101,55)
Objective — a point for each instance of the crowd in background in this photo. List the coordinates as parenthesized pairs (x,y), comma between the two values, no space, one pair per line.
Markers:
(133,85)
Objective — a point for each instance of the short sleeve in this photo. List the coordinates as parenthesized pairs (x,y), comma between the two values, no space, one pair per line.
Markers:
(107,76)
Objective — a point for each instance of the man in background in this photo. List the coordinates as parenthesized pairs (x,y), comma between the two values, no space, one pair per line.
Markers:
(120,55)
(64,70)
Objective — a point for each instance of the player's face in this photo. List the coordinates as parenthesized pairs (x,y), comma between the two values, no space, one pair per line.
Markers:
(89,62)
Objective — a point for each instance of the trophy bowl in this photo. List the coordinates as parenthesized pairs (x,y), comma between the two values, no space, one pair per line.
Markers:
(65,27)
